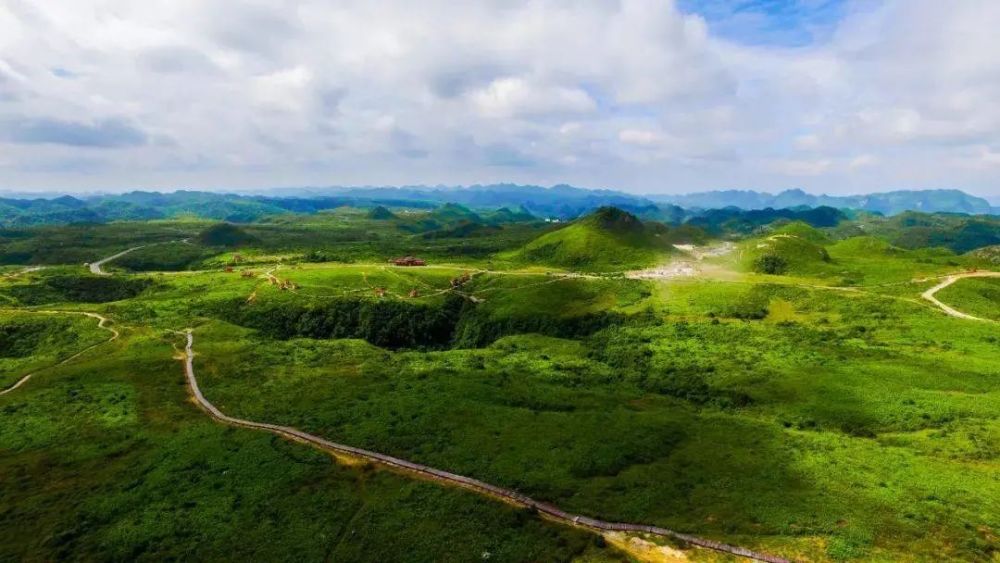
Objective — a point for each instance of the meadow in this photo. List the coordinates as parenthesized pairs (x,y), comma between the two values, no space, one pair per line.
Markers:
(822,412)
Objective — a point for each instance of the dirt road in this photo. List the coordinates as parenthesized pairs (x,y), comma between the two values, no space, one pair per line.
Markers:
(95,267)
(929,294)
(101,324)
(547,510)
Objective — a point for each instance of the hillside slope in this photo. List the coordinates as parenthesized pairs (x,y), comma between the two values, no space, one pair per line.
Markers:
(607,240)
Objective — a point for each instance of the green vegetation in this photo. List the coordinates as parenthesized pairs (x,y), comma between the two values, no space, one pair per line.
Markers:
(979,297)
(988,255)
(782,253)
(795,396)
(107,460)
(607,240)
(913,230)
(381,214)
(30,342)
(79,288)
(225,235)
(168,257)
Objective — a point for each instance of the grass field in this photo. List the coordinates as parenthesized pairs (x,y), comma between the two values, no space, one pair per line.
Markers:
(108,460)
(979,297)
(824,412)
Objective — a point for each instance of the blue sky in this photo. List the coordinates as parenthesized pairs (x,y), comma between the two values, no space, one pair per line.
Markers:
(788,23)
(836,96)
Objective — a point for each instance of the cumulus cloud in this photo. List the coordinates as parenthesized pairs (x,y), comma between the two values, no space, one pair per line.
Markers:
(633,94)
(512,96)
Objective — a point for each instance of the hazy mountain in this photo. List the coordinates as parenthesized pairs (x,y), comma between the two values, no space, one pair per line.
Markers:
(562,202)
(888,203)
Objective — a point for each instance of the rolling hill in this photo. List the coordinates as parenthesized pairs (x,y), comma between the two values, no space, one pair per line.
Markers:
(796,251)
(607,240)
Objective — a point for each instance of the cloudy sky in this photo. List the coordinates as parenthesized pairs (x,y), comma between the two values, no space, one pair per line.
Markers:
(641,95)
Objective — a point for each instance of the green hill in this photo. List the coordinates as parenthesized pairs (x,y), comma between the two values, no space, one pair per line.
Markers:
(988,255)
(864,247)
(380,213)
(607,240)
(453,213)
(803,230)
(505,215)
(782,253)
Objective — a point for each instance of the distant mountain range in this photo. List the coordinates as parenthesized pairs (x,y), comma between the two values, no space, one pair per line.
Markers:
(562,202)
(887,203)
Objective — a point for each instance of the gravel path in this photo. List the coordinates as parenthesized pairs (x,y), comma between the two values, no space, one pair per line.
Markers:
(929,294)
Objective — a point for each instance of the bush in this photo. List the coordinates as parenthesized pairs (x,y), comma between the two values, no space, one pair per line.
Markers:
(770,264)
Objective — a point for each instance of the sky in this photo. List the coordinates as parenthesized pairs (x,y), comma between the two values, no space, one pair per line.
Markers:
(651,96)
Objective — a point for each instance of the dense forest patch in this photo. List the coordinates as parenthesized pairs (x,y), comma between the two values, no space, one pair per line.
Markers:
(78,288)
(226,235)
(397,324)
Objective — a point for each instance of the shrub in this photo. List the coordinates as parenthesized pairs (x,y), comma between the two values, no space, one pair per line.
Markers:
(770,264)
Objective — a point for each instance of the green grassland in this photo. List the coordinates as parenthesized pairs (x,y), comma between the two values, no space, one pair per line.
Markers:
(826,420)
(979,297)
(30,342)
(106,459)
(820,410)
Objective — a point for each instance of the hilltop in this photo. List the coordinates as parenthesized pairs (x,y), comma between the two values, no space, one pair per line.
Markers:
(609,239)
(380,213)
(794,248)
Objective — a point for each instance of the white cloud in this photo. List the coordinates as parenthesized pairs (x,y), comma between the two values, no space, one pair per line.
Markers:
(640,137)
(286,90)
(511,97)
(629,94)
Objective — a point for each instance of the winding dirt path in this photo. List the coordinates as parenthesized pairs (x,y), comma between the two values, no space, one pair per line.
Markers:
(929,294)
(101,324)
(550,511)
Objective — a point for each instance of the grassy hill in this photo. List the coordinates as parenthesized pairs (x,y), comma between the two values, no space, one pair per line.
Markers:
(803,231)
(988,255)
(784,252)
(380,213)
(607,240)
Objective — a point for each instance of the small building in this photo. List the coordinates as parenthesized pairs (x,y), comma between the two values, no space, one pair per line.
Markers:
(409,261)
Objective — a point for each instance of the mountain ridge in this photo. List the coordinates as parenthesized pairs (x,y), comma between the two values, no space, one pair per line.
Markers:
(886,203)
(563,202)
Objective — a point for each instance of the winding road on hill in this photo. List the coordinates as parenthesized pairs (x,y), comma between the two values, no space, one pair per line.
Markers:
(550,511)
(95,267)
(930,293)
(102,323)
